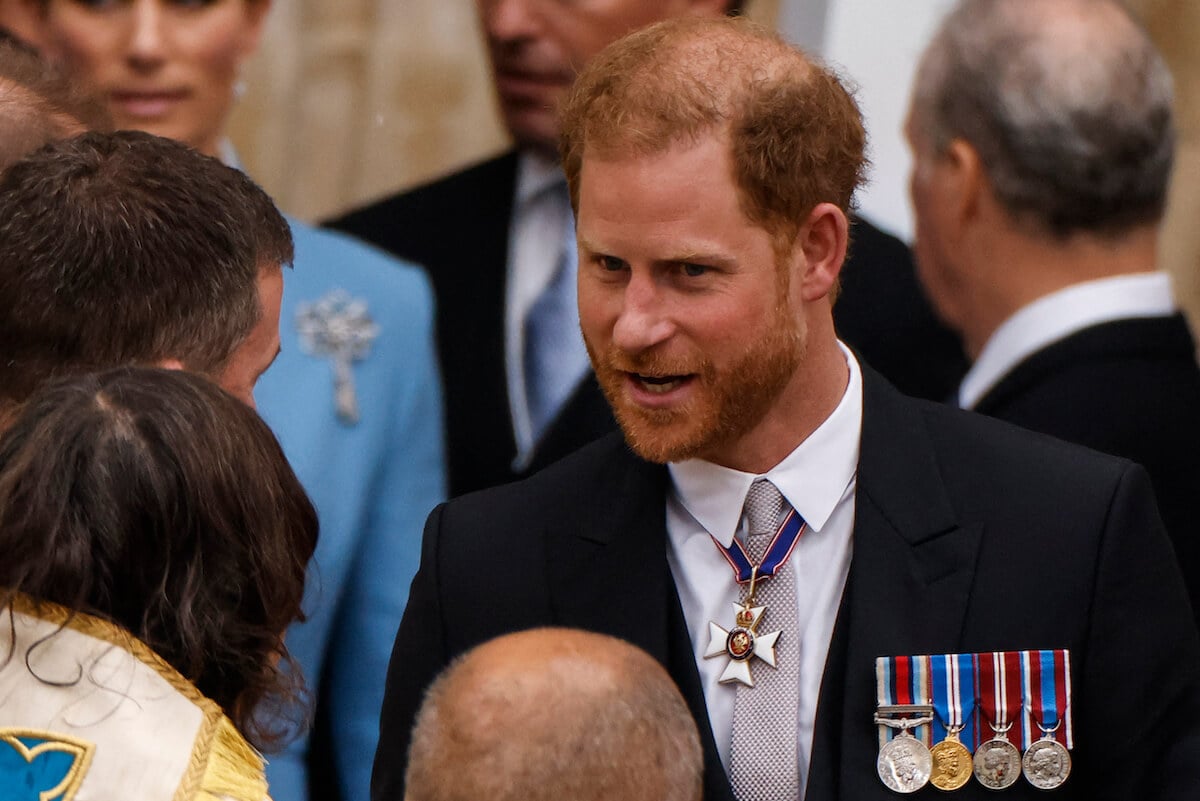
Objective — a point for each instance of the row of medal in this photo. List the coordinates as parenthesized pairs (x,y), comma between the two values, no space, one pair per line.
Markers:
(943,719)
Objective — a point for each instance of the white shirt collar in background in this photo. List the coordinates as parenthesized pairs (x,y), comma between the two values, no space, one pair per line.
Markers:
(1059,315)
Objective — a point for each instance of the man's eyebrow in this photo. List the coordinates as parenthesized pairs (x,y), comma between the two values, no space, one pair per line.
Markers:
(683,257)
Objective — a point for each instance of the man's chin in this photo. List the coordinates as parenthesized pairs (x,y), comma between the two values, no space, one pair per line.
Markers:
(660,437)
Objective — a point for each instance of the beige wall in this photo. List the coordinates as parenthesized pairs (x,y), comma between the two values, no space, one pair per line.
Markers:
(351,99)
(1175,25)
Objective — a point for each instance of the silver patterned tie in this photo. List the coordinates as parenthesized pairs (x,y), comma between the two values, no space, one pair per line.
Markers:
(763,757)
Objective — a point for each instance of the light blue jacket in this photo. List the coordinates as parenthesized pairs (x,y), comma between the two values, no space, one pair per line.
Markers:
(373,483)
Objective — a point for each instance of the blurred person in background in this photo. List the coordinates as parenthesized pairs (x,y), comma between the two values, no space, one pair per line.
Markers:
(38,104)
(355,394)
(1038,202)
(155,545)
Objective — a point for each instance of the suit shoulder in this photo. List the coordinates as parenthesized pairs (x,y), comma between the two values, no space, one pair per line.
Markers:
(573,482)
(870,244)
(450,194)
(976,448)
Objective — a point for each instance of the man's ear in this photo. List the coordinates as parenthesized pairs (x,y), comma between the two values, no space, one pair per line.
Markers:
(963,183)
(170,364)
(822,241)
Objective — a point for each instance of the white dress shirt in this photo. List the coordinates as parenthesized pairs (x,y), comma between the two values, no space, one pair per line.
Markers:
(818,479)
(1057,316)
(542,229)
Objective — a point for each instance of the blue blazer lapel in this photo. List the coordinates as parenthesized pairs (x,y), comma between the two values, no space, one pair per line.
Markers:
(907,592)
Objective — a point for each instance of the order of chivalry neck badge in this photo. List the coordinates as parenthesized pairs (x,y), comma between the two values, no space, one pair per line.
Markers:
(741,643)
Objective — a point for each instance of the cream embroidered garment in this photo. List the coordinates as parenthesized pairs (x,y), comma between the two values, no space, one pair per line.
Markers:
(90,713)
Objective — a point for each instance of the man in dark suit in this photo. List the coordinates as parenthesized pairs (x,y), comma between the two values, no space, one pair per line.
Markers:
(709,250)
(493,235)
(1038,204)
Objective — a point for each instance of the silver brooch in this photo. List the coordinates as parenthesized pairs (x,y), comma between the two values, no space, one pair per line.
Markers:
(339,327)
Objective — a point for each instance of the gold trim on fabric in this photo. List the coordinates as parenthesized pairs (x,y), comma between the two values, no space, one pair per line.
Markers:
(218,747)
(66,789)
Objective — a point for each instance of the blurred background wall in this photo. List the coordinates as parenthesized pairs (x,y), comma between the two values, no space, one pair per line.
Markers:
(349,100)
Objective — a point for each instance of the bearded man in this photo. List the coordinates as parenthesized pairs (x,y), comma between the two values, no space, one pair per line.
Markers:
(712,169)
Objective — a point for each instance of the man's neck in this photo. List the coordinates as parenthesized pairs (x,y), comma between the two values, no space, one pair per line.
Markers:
(1021,268)
(812,394)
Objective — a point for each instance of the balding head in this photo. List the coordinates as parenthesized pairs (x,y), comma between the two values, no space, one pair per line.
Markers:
(38,105)
(795,133)
(1067,103)
(554,714)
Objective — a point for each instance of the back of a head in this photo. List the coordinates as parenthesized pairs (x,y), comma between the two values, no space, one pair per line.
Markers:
(127,248)
(795,133)
(553,714)
(153,499)
(39,105)
(1067,102)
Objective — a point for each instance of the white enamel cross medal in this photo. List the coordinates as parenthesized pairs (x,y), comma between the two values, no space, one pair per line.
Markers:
(741,644)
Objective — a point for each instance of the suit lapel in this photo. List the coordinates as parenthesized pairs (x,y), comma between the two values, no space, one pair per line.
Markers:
(610,574)
(907,592)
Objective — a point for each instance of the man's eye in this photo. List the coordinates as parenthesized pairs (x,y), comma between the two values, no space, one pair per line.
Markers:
(611,263)
(693,270)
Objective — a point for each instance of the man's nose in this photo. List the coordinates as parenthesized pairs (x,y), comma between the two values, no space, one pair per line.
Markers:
(644,320)
(509,20)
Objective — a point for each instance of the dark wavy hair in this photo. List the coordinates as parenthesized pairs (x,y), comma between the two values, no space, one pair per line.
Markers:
(153,499)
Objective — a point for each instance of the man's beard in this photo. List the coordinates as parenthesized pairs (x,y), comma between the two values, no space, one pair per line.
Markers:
(723,407)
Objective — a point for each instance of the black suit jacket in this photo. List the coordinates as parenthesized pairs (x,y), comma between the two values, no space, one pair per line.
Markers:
(1129,388)
(969,535)
(458,228)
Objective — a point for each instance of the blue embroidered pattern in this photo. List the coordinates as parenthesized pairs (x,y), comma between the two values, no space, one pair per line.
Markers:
(41,766)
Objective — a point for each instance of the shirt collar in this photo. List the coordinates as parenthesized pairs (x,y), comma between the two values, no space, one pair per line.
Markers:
(535,174)
(813,477)
(1059,315)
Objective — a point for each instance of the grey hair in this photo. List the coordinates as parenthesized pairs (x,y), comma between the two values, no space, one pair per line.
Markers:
(1068,104)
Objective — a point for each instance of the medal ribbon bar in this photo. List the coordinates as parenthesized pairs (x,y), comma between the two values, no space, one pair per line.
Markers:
(1046,688)
(778,552)
(954,692)
(1000,694)
(903,681)
(1020,687)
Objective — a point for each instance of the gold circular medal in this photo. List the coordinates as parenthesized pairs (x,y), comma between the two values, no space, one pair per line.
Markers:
(951,765)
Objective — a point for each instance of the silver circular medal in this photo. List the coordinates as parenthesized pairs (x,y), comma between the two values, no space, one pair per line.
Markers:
(904,764)
(1046,764)
(997,764)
